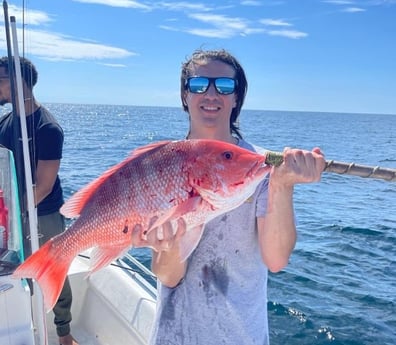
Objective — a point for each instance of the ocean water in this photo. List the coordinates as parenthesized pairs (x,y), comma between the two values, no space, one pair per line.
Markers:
(340,284)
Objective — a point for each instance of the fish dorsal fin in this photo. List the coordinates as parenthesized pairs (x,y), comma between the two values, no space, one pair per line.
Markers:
(147,148)
(73,206)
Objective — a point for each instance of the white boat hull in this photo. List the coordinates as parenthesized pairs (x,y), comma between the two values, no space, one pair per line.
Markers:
(110,307)
(15,312)
(113,306)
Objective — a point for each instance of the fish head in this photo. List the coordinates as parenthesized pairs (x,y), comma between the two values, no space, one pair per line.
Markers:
(224,174)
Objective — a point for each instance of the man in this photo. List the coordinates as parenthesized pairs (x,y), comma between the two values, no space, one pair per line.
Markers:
(45,148)
(219,294)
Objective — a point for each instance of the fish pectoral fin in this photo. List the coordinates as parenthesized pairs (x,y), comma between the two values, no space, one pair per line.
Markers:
(103,256)
(189,241)
(177,211)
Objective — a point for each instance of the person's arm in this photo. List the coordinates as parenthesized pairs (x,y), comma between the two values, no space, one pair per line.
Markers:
(277,230)
(46,173)
(49,145)
(168,268)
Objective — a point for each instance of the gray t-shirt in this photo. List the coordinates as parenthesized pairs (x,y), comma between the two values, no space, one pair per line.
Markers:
(223,297)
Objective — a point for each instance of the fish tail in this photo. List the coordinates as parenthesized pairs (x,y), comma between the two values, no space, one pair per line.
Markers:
(48,270)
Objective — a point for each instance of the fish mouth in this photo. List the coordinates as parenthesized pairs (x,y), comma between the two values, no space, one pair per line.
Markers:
(256,167)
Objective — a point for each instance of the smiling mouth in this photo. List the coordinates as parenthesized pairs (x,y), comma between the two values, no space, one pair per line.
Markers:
(210,108)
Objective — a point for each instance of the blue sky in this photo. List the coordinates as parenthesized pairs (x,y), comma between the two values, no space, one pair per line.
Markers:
(299,55)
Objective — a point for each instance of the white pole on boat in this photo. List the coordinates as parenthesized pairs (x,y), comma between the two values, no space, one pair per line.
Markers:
(38,307)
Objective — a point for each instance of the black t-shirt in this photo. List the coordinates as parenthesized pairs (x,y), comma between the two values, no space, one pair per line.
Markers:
(45,143)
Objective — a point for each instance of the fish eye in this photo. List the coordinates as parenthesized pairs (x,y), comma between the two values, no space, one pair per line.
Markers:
(227,155)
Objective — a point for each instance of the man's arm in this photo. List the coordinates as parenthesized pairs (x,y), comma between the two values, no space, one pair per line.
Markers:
(166,262)
(277,230)
(46,173)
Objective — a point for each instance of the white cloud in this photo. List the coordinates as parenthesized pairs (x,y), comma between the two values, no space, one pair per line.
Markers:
(223,26)
(183,6)
(168,28)
(33,17)
(167,5)
(251,3)
(274,22)
(353,9)
(116,65)
(220,20)
(117,3)
(213,33)
(287,33)
(339,2)
(52,46)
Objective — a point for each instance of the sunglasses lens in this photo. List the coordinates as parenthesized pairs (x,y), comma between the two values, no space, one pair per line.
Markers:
(225,86)
(198,84)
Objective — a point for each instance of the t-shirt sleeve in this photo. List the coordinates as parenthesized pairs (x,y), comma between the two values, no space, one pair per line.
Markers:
(262,198)
(50,143)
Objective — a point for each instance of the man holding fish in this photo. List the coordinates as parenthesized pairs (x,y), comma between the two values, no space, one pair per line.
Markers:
(218,295)
(216,219)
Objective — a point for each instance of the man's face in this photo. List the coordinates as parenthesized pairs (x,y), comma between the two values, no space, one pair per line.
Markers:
(5,93)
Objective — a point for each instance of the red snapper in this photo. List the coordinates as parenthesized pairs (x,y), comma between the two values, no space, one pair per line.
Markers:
(194,179)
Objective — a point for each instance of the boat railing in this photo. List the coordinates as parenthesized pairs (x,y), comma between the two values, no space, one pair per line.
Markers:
(140,266)
(134,265)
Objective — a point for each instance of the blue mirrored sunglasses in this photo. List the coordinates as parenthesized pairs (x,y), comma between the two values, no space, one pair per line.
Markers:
(223,85)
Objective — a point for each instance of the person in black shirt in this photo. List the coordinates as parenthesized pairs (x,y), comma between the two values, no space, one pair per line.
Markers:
(45,149)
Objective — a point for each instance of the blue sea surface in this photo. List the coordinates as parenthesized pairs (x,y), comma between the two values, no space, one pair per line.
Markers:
(340,284)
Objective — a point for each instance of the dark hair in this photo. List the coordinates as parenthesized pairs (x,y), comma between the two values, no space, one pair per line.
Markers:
(204,56)
(28,70)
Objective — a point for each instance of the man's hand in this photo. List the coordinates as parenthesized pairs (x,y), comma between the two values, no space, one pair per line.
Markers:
(161,238)
(299,166)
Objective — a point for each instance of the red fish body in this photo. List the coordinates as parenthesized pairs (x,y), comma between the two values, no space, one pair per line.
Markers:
(194,179)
